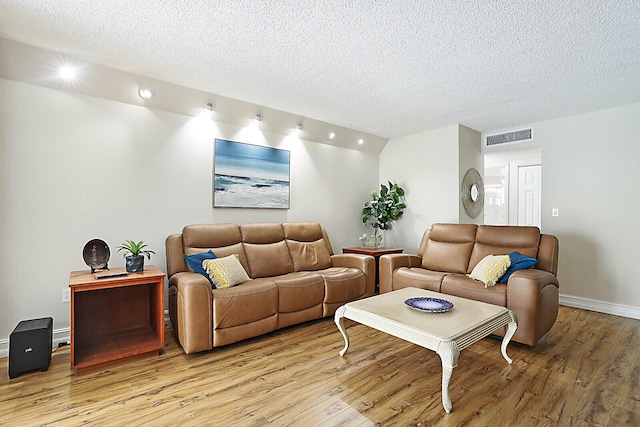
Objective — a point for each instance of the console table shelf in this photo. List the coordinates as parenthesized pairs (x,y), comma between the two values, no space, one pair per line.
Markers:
(115,318)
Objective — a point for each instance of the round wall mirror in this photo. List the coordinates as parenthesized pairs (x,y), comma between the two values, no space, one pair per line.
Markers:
(472,193)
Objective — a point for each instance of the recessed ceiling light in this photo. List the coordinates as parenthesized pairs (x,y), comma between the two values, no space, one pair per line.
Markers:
(208,106)
(146,93)
(68,72)
(361,141)
(332,135)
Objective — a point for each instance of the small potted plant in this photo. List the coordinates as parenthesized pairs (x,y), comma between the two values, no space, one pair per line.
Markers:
(382,210)
(134,255)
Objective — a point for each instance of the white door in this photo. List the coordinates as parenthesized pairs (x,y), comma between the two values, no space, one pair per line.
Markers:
(529,195)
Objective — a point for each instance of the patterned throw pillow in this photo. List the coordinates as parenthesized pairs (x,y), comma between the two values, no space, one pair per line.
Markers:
(225,272)
(490,269)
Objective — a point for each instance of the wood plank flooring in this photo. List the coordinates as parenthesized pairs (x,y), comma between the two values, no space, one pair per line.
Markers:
(586,372)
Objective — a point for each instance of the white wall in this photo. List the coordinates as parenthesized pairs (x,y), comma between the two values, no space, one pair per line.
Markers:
(428,165)
(75,167)
(589,165)
(589,172)
(470,157)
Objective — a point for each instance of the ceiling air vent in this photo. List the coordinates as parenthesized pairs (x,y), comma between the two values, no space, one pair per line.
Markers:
(509,137)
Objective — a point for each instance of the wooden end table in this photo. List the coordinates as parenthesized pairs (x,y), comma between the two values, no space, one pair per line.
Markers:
(115,318)
(376,253)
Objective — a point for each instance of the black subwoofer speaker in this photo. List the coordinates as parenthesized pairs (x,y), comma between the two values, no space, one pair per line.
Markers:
(30,346)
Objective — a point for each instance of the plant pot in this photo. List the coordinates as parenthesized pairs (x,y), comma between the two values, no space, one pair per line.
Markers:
(134,264)
(373,242)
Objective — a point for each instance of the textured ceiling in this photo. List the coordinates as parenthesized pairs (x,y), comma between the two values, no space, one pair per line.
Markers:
(390,68)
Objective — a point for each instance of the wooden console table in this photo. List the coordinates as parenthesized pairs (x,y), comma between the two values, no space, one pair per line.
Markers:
(376,253)
(115,318)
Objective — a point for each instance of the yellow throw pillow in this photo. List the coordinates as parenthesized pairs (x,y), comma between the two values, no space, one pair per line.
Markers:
(225,272)
(490,269)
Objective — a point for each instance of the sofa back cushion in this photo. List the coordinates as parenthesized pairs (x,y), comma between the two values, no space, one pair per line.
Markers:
(447,247)
(266,250)
(502,240)
(222,239)
(307,246)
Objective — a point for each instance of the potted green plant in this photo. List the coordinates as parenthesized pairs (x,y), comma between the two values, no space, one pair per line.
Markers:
(134,255)
(385,207)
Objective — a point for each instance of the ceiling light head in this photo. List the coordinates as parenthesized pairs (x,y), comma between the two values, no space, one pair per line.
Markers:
(67,72)
(257,118)
(146,92)
(361,141)
(208,106)
(298,128)
(332,135)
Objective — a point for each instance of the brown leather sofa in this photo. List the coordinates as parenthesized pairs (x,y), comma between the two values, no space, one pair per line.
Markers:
(295,277)
(448,252)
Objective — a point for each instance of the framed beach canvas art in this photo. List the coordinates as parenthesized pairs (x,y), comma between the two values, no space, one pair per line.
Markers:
(250,176)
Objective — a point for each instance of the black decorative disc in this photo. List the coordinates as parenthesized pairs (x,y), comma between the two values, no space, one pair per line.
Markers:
(96,254)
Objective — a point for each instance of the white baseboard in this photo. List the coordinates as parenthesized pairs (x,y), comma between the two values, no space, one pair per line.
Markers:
(600,306)
(62,335)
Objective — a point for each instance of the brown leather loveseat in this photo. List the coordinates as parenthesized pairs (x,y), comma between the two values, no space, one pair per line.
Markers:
(448,252)
(295,277)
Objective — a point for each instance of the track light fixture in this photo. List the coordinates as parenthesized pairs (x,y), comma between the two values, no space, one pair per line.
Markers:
(332,135)
(208,106)
(257,118)
(68,73)
(146,93)
(298,128)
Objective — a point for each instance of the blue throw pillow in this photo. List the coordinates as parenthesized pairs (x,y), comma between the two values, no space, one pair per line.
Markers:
(195,262)
(518,262)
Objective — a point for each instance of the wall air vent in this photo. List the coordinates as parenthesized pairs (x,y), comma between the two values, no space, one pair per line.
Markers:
(509,137)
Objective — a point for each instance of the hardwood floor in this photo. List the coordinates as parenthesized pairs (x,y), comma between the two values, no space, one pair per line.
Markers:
(585,372)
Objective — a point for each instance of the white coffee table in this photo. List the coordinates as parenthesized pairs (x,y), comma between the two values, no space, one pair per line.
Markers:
(445,333)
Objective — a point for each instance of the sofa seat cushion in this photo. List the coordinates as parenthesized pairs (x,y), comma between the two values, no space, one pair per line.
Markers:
(343,284)
(299,291)
(465,287)
(406,277)
(246,303)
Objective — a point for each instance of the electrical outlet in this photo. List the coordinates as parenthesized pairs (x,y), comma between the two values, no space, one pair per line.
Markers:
(66,295)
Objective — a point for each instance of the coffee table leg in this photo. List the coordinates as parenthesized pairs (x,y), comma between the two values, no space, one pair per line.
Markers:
(339,320)
(511,329)
(448,352)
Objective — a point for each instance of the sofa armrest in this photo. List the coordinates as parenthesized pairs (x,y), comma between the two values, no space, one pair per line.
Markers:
(191,311)
(390,263)
(533,295)
(364,263)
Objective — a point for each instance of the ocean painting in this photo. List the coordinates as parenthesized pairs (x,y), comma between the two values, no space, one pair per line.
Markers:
(250,176)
